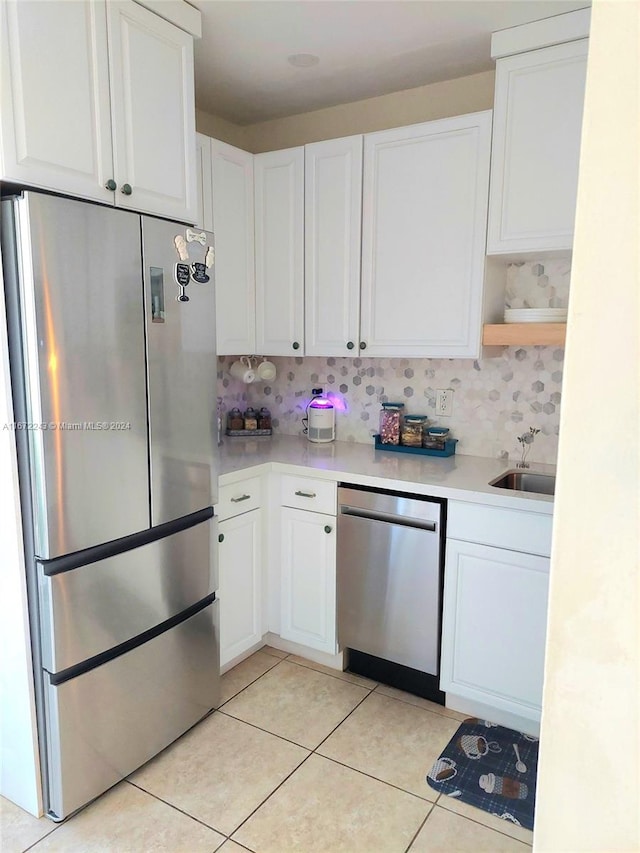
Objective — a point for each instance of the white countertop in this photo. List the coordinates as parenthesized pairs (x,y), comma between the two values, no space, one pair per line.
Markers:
(462,478)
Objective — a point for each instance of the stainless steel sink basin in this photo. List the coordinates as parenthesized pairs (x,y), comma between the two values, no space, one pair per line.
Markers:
(525,481)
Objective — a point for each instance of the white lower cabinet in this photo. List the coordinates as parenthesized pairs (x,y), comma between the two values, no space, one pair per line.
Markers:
(308,579)
(240,558)
(494,627)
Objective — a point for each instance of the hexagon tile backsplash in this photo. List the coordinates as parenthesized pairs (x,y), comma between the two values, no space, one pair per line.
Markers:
(495,399)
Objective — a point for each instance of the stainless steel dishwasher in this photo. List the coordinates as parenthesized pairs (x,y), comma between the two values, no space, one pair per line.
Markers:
(390,549)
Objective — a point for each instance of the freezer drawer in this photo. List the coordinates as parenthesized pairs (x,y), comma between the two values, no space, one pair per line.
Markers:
(93,608)
(104,724)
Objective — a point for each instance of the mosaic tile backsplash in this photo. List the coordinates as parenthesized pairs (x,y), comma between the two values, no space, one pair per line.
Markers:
(495,399)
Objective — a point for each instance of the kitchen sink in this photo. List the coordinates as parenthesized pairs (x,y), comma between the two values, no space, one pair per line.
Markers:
(525,481)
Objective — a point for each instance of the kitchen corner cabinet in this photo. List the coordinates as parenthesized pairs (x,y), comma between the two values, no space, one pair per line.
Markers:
(536,149)
(279,251)
(240,569)
(332,222)
(233,226)
(98,102)
(425,196)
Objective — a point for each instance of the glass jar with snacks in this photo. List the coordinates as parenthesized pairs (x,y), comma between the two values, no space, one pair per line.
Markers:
(434,438)
(251,419)
(412,429)
(235,420)
(264,418)
(390,417)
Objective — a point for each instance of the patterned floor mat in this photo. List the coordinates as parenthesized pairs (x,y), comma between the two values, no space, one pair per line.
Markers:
(491,767)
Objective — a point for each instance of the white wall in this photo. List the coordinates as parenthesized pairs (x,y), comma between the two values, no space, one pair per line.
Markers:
(589,774)
(19,760)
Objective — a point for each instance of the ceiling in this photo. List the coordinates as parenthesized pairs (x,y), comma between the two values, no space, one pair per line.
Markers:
(366,48)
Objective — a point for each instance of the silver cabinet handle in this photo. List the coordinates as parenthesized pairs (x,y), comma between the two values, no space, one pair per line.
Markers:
(306,494)
(240,499)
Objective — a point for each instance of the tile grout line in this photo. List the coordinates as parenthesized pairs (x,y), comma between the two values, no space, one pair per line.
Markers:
(375,779)
(259,806)
(257,678)
(46,835)
(177,808)
(421,827)
(413,704)
(344,680)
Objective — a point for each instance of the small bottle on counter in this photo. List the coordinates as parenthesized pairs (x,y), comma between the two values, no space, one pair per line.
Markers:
(264,418)
(235,421)
(412,429)
(250,419)
(390,423)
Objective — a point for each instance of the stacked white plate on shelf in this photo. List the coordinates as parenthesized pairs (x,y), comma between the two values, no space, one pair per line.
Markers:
(535,315)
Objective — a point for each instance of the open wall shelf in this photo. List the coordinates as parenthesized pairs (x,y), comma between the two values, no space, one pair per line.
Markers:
(524,334)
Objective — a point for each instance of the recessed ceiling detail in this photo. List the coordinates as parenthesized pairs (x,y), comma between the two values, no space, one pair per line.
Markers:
(303,60)
(368,48)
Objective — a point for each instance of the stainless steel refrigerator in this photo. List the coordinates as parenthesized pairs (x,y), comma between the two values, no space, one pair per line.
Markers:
(112,348)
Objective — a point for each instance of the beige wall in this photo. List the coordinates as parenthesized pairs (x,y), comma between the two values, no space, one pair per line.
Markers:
(589,774)
(438,100)
(220,128)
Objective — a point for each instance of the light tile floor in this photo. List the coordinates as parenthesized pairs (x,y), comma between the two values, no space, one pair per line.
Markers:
(299,759)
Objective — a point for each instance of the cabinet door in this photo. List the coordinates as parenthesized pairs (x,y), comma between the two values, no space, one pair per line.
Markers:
(332,241)
(152,100)
(55,118)
(536,149)
(204,219)
(423,238)
(308,580)
(239,544)
(279,200)
(494,626)
(232,171)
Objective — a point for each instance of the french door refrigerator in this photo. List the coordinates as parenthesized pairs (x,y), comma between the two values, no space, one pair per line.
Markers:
(111,326)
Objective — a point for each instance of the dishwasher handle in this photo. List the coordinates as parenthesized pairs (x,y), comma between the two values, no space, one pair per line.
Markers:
(389,518)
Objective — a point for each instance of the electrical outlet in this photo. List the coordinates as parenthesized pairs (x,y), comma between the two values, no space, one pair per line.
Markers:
(316,392)
(444,402)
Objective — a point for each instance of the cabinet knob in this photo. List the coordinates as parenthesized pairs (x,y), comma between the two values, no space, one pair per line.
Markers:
(111,185)
(126,189)
(220,537)
(295,345)
(350,344)
(363,345)
(328,528)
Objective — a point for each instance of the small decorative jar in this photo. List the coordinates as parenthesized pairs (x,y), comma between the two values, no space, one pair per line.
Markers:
(264,418)
(251,419)
(412,428)
(235,420)
(390,423)
(435,438)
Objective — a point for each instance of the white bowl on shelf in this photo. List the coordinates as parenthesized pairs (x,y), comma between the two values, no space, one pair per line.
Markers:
(535,315)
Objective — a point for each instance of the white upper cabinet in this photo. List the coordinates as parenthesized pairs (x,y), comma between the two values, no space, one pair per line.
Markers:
(204,217)
(423,238)
(98,102)
(279,231)
(536,149)
(153,107)
(233,227)
(55,117)
(332,222)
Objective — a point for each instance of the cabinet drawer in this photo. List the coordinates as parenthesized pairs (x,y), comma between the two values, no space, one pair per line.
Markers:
(517,530)
(240,497)
(307,493)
